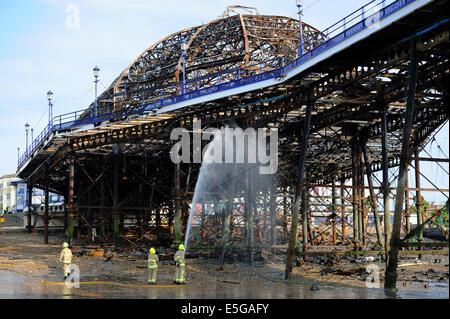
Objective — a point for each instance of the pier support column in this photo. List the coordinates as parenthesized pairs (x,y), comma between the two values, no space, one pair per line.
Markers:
(304,214)
(308,214)
(66,217)
(385,184)
(249,210)
(30,206)
(89,217)
(203,222)
(148,212)
(177,232)
(343,217)
(298,193)
(355,193)
(334,210)
(373,198)
(102,210)
(227,219)
(115,211)
(226,228)
(407,210)
(273,198)
(285,212)
(70,200)
(391,270)
(46,210)
(419,200)
(362,208)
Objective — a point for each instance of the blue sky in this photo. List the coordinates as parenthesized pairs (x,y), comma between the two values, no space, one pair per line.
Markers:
(39,52)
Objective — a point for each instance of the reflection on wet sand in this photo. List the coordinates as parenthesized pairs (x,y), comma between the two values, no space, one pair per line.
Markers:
(15,285)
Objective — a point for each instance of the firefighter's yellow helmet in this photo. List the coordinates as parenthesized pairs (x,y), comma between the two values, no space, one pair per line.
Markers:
(181,247)
(152,251)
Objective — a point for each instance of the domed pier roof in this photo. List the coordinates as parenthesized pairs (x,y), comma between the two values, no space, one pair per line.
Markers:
(230,42)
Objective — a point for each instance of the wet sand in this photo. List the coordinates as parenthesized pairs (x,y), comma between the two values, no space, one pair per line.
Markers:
(30,269)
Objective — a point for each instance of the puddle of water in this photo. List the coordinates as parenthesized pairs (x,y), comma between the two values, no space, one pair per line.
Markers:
(14,285)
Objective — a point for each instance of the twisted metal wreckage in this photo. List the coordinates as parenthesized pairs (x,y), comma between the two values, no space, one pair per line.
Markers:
(366,96)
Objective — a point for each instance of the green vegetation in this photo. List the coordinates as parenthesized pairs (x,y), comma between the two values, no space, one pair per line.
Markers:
(423,208)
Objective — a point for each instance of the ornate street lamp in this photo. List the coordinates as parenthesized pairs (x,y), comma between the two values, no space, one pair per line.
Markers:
(50,107)
(300,13)
(183,46)
(27,128)
(96,70)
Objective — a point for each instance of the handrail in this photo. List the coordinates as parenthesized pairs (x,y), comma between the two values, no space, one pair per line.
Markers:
(264,70)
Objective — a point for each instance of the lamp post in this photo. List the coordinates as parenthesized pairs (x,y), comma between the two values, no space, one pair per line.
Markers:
(300,12)
(96,70)
(32,138)
(50,107)
(183,54)
(27,128)
(18,155)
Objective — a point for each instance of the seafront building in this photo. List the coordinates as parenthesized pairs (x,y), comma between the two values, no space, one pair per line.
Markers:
(14,196)
(8,192)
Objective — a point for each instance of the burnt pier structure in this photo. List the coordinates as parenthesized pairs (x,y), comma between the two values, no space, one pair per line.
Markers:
(362,101)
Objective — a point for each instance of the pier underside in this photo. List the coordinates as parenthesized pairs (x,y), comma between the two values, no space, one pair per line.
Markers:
(120,185)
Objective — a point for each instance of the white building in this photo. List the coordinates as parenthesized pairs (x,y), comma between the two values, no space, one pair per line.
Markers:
(14,195)
(8,192)
(56,206)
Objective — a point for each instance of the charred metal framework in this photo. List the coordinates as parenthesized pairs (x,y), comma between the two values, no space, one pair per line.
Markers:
(117,176)
(246,42)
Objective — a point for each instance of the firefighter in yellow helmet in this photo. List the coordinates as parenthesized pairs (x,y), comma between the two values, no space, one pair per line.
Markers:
(66,259)
(2,220)
(152,266)
(179,263)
